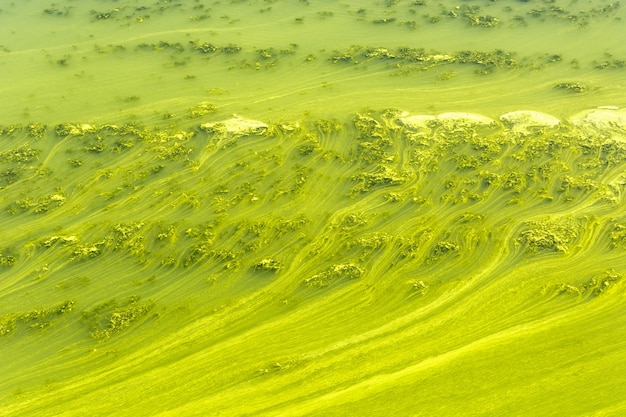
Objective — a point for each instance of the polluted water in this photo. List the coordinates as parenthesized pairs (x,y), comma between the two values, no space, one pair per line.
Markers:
(312,208)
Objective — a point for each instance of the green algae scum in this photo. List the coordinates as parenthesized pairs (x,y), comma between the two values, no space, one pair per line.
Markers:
(312,208)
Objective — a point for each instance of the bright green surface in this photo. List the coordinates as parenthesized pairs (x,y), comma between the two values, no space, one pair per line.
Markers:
(321,255)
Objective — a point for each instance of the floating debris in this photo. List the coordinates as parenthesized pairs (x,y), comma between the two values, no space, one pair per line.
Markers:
(237,126)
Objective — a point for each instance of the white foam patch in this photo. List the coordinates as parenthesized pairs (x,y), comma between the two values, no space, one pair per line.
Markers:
(521,122)
(238,125)
(601,119)
(524,119)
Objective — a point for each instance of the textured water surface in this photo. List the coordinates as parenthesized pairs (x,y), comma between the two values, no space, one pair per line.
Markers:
(312,208)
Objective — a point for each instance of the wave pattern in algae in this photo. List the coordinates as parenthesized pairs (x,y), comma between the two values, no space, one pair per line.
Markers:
(388,264)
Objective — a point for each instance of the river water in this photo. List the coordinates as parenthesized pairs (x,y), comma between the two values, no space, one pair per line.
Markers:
(312,208)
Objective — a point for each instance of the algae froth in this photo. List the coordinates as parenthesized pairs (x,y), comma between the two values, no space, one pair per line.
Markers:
(312,208)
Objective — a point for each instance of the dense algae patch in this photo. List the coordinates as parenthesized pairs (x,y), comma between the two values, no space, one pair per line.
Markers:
(220,225)
(238,218)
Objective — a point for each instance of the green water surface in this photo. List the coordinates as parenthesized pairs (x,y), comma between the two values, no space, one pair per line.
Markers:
(312,208)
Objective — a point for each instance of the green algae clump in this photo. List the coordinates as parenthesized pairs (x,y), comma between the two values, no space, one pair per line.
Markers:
(337,272)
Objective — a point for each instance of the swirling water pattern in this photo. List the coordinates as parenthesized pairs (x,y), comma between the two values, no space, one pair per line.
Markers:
(284,209)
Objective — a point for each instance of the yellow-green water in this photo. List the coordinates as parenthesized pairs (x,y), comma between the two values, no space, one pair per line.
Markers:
(273,208)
